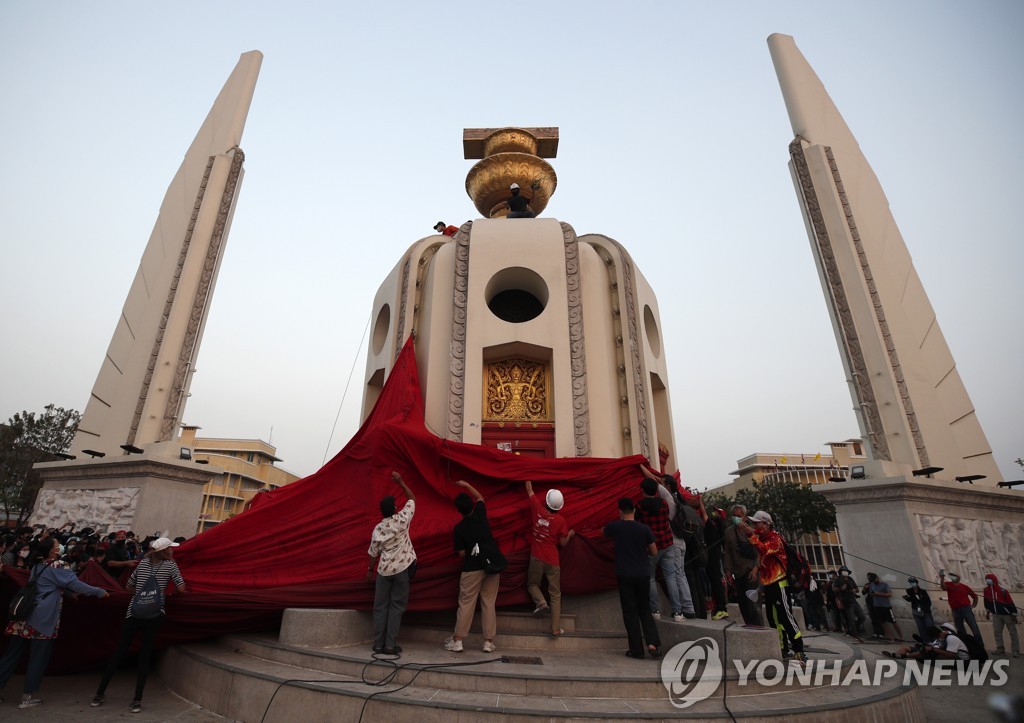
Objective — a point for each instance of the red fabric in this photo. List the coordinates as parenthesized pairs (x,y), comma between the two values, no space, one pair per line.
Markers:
(304,545)
(960,596)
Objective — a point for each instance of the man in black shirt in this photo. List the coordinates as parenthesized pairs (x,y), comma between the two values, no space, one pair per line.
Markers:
(518,206)
(634,546)
(475,543)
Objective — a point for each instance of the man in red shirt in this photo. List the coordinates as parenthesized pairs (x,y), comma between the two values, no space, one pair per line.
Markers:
(444,229)
(550,532)
(962,601)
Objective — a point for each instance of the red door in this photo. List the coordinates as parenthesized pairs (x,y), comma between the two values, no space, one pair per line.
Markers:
(523,438)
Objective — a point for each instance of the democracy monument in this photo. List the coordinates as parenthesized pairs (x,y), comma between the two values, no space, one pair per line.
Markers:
(520,346)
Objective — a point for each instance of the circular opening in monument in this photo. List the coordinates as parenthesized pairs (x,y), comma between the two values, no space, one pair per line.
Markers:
(516,295)
(651,329)
(380,328)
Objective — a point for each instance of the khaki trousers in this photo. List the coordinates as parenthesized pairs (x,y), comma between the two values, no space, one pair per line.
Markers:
(553,573)
(473,585)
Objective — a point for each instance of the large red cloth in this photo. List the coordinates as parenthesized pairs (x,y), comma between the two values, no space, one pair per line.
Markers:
(305,544)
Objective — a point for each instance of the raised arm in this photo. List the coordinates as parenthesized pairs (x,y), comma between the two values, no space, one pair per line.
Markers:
(405,488)
(470,489)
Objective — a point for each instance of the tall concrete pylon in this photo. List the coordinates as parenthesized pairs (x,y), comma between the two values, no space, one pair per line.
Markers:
(911,404)
(140,392)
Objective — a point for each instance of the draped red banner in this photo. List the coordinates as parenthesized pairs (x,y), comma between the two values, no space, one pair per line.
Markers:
(305,544)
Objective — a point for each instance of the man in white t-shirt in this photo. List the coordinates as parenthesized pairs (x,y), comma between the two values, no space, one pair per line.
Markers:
(952,647)
(391,544)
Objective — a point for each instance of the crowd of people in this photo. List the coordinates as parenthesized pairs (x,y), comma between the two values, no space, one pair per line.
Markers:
(53,559)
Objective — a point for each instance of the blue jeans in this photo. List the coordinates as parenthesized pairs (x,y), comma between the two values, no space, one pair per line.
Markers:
(669,562)
(39,652)
(966,615)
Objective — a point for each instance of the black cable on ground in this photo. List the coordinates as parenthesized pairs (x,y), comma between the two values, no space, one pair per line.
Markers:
(385,681)
(725,669)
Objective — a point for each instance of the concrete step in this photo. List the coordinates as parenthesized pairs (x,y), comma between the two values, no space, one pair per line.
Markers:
(521,641)
(509,621)
(230,682)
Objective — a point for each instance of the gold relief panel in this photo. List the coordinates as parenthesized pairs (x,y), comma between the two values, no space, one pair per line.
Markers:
(517,390)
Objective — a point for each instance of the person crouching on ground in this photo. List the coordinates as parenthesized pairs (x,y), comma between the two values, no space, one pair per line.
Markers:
(390,542)
(37,634)
(634,548)
(773,578)
(480,570)
(144,616)
(550,532)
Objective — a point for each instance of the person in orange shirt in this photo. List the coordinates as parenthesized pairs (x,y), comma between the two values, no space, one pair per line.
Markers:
(773,577)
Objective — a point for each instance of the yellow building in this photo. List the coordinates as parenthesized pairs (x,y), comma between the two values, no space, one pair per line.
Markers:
(248,466)
(824,550)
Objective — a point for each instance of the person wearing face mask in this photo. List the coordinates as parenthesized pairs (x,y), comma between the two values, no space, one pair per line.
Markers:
(962,601)
(772,570)
(1000,609)
(742,562)
(845,588)
(920,606)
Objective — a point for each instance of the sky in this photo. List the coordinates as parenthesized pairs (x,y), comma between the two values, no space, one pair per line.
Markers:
(674,142)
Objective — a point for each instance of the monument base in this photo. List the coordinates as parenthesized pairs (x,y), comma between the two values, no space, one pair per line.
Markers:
(905,526)
(138,492)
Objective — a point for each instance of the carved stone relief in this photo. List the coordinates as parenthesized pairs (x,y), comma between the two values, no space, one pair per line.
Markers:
(972,548)
(101,509)
(577,350)
(841,307)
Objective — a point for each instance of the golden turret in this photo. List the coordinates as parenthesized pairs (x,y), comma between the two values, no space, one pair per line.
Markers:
(510,155)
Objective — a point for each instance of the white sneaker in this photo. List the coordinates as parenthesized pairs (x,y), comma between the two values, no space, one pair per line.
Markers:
(678,617)
(656,615)
(27,701)
(488,646)
(452,645)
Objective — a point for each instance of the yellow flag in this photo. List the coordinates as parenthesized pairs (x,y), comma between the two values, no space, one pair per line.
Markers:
(783,460)
(817,457)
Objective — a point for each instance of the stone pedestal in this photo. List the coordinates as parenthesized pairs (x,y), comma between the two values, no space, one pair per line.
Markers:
(138,492)
(912,526)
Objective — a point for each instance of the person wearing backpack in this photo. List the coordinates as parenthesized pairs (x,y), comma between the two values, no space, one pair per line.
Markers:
(37,631)
(144,616)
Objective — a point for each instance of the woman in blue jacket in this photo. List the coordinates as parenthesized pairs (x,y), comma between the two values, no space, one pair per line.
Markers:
(38,633)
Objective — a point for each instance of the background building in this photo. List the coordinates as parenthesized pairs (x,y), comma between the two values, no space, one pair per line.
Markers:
(248,466)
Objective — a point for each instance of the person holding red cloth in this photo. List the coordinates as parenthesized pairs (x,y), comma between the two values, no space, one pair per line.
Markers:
(962,601)
(550,532)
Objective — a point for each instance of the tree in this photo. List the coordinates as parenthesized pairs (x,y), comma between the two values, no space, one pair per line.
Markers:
(796,509)
(25,440)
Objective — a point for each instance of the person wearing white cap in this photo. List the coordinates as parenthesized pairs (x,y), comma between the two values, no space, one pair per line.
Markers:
(144,616)
(550,532)
(518,206)
(773,577)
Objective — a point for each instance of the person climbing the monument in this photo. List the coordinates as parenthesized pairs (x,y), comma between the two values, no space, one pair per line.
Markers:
(519,205)
(999,608)
(962,601)
(920,607)
(773,577)
(653,510)
(444,229)
(550,532)
(481,569)
(392,552)
(144,616)
(634,548)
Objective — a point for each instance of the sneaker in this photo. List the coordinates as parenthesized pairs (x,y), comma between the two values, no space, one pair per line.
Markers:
(1000,651)
(719,615)
(654,651)
(557,633)
(678,617)
(786,654)
(541,611)
(656,615)
(97,701)
(135,706)
(27,701)
(689,616)
(488,646)
(452,645)
(799,658)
